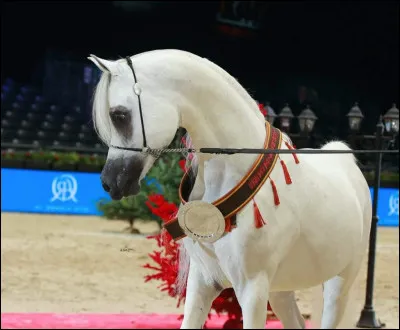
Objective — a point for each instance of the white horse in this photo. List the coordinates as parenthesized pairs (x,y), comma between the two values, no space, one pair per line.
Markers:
(317,235)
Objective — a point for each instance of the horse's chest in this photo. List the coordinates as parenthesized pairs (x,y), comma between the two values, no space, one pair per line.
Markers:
(219,178)
(234,257)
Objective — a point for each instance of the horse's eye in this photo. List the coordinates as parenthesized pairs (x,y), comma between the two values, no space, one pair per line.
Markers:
(119,116)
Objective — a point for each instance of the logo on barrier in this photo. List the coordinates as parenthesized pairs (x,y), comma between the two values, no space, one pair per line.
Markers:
(394,204)
(64,188)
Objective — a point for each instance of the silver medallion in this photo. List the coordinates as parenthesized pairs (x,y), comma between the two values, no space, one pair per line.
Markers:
(201,221)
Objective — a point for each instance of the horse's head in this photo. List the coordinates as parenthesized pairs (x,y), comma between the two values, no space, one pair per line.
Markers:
(117,120)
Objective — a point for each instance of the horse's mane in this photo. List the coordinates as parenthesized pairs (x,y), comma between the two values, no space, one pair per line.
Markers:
(100,109)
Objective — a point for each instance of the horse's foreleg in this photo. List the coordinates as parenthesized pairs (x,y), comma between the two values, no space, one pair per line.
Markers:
(198,301)
(252,295)
(285,307)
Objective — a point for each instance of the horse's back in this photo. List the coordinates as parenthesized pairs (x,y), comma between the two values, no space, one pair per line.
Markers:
(342,172)
(347,165)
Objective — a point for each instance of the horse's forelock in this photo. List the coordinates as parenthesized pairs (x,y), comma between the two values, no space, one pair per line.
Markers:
(101,119)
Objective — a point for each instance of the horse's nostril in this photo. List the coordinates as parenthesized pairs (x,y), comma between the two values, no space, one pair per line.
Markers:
(106,187)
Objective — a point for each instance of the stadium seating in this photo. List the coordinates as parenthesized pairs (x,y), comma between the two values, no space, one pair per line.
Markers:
(26,118)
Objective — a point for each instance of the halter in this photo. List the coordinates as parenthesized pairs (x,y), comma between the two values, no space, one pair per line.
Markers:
(137,90)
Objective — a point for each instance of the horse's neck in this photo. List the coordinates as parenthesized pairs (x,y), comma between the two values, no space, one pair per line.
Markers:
(224,117)
(214,108)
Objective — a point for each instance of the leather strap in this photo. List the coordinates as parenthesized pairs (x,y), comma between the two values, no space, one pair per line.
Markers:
(237,198)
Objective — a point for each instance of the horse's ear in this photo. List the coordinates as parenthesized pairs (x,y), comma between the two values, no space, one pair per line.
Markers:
(103,65)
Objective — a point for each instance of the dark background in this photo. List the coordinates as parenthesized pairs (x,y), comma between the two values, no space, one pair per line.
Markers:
(327,54)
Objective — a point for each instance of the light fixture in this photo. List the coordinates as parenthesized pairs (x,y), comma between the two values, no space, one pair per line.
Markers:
(307,119)
(286,116)
(391,119)
(355,117)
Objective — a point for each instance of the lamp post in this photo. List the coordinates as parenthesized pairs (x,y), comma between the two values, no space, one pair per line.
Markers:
(271,115)
(368,318)
(285,117)
(391,120)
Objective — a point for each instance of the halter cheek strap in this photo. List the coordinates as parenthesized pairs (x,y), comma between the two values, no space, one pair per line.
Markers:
(137,90)
(156,153)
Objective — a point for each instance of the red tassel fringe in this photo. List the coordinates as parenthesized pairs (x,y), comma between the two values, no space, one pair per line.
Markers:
(228,225)
(258,219)
(288,179)
(166,241)
(294,155)
(275,192)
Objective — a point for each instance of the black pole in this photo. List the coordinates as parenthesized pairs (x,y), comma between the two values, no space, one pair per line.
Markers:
(368,318)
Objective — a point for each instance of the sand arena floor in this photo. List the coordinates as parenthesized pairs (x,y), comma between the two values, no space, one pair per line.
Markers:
(69,264)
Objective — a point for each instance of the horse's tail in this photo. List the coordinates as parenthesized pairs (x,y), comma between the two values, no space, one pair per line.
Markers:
(339,145)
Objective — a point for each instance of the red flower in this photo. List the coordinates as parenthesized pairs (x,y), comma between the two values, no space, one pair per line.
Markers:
(182,164)
(157,199)
(167,211)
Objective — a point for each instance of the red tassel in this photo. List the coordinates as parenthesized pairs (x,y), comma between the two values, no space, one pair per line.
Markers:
(294,155)
(228,225)
(258,219)
(166,241)
(288,179)
(275,192)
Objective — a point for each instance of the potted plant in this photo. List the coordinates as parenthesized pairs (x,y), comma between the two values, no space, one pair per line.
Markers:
(129,209)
